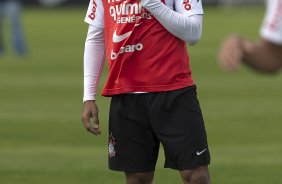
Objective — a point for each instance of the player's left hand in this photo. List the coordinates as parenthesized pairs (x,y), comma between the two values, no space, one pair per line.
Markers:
(230,53)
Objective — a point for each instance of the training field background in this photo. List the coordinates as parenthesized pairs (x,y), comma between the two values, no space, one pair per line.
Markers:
(42,140)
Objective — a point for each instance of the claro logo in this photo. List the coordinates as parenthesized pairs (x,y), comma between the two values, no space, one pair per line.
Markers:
(92,15)
(127,48)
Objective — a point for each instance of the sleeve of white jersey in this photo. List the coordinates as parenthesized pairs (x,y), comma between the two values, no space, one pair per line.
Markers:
(95,13)
(94,52)
(182,18)
(94,59)
(271,28)
(189,7)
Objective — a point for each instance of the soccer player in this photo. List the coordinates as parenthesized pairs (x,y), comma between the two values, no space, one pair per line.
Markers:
(12,9)
(154,98)
(265,55)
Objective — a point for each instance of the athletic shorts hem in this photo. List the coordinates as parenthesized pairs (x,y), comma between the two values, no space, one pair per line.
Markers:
(187,167)
(132,170)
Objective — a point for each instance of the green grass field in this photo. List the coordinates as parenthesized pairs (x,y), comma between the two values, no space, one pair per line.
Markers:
(42,140)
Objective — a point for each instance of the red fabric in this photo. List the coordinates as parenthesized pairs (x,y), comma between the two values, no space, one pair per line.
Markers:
(150,59)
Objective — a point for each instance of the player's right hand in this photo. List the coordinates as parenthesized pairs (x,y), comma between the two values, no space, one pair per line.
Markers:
(230,53)
(90,117)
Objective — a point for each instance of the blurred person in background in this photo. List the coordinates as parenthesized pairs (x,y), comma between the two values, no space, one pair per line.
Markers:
(51,3)
(11,9)
(153,94)
(265,55)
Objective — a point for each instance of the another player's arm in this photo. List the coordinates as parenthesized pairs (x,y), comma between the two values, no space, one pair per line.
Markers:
(184,26)
(94,59)
(263,56)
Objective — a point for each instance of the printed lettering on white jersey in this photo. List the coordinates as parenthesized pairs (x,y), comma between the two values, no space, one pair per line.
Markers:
(124,12)
(126,49)
(187,5)
(95,13)
(92,14)
(190,7)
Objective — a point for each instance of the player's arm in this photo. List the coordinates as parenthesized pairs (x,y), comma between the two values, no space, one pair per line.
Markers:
(263,56)
(179,22)
(94,59)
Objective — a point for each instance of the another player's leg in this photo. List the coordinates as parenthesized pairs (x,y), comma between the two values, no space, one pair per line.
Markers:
(1,28)
(14,10)
(199,175)
(139,178)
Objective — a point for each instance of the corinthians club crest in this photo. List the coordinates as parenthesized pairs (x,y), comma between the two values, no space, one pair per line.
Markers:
(112,143)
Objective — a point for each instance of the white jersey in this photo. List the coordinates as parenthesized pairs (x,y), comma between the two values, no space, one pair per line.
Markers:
(271,29)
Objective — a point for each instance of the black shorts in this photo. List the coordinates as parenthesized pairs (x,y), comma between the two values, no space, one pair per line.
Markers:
(140,122)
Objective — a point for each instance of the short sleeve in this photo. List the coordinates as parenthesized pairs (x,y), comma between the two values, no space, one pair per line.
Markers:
(95,13)
(189,7)
(271,28)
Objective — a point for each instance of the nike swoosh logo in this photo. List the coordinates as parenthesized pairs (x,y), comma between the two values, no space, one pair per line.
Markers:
(138,24)
(119,38)
(200,152)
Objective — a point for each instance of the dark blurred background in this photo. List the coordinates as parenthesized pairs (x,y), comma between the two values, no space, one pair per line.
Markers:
(85,2)
(54,2)
(76,2)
